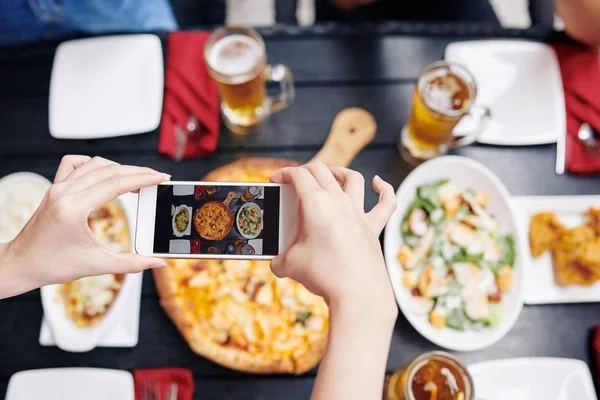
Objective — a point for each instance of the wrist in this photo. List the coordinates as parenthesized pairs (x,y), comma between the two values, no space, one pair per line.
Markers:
(11,283)
(363,313)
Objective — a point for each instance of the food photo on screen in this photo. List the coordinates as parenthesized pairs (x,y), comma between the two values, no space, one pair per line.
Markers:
(217,219)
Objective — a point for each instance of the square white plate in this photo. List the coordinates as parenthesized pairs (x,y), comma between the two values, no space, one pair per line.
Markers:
(183,190)
(532,378)
(106,87)
(520,82)
(71,384)
(179,246)
(124,332)
(539,284)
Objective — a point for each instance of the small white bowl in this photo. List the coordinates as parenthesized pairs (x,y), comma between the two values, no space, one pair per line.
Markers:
(185,231)
(467,173)
(66,334)
(237,220)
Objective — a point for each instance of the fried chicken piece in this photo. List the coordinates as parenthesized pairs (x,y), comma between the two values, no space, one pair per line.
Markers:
(577,257)
(544,230)
(593,215)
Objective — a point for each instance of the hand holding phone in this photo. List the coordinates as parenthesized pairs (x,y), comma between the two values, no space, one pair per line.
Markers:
(215,220)
(336,253)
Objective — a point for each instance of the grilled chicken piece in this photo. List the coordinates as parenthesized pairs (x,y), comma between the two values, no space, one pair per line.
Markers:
(420,252)
(485,220)
(417,222)
(420,305)
(431,284)
(476,301)
(465,272)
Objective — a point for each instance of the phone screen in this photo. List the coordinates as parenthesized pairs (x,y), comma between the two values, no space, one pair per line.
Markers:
(217,219)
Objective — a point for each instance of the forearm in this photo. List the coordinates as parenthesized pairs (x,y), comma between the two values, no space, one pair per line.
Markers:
(11,282)
(581,18)
(354,364)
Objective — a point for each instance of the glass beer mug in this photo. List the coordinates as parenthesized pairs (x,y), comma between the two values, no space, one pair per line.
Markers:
(237,60)
(445,93)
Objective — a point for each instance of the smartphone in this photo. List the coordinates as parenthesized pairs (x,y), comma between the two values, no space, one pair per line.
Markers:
(215,220)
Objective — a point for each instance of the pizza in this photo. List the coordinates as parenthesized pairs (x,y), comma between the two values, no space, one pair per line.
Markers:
(238,313)
(213,220)
(87,300)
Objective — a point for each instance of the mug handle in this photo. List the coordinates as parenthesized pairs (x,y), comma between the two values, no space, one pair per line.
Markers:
(282,74)
(481,114)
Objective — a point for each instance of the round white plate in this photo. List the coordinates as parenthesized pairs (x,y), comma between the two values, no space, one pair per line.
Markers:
(185,231)
(237,223)
(467,173)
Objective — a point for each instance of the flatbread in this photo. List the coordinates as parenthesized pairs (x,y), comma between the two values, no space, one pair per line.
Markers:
(238,313)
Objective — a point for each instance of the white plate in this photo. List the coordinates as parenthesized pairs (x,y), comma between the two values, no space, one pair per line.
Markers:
(539,284)
(113,326)
(237,223)
(521,83)
(106,87)
(532,378)
(71,384)
(467,173)
(179,246)
(188,229)
(183,190)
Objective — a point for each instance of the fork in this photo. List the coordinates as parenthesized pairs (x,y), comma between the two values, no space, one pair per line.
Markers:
(149,389)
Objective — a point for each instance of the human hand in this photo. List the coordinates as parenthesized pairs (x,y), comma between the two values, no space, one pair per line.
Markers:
(336,252)
(57,245)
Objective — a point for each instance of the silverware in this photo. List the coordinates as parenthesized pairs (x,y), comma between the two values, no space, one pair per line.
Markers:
(180,143)
(587,137)
(172,391)
(182,136)
(561,143)
(150,389)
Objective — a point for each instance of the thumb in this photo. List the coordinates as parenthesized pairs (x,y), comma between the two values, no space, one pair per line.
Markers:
(278,265)
(383,210)
(132,263)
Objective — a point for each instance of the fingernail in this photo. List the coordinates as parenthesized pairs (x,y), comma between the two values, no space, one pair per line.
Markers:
(159,265)
(377,177)
(166,177)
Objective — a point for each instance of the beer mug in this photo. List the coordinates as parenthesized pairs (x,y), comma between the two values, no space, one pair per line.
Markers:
(237,60)
(445,93)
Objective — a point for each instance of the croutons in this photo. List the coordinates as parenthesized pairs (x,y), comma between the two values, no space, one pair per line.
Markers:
(449,195)
(437,319)
(431,284)
(404,256)
(408,281)
(504,278)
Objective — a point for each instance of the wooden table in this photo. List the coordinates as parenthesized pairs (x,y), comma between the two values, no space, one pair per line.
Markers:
(376,69)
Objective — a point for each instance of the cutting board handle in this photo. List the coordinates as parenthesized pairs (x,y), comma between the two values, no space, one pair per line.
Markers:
(228,199)
(352,130)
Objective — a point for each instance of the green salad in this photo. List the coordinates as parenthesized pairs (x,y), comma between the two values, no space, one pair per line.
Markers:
(456,262)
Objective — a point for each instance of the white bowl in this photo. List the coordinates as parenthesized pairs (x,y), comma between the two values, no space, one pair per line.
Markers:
(467,173)
(66,334)
(237,221)
(175,231)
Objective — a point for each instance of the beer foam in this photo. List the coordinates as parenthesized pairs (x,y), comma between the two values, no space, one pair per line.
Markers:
(234,55)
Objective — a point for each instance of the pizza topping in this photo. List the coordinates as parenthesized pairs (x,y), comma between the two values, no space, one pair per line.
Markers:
(221,337)
(200,266)
(264,295)
(252,286)
(302,316)
(200,280)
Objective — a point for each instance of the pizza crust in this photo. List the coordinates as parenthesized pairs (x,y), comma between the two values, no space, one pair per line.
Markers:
(238,171)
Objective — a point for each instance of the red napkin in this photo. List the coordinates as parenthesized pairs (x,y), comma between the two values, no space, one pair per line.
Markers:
(189,91)
(580,70)
(163,378)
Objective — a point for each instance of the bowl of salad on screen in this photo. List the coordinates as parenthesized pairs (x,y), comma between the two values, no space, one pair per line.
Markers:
(454,267)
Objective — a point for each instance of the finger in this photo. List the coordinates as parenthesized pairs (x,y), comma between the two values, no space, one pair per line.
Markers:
(353,185)
(322,175)
(132,263)
(109,189)
(68,164)
(301,179)
(98,175)
(383,210)
(277,265)
(91,165)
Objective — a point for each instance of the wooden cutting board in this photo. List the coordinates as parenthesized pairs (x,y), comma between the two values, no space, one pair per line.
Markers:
(352,130)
